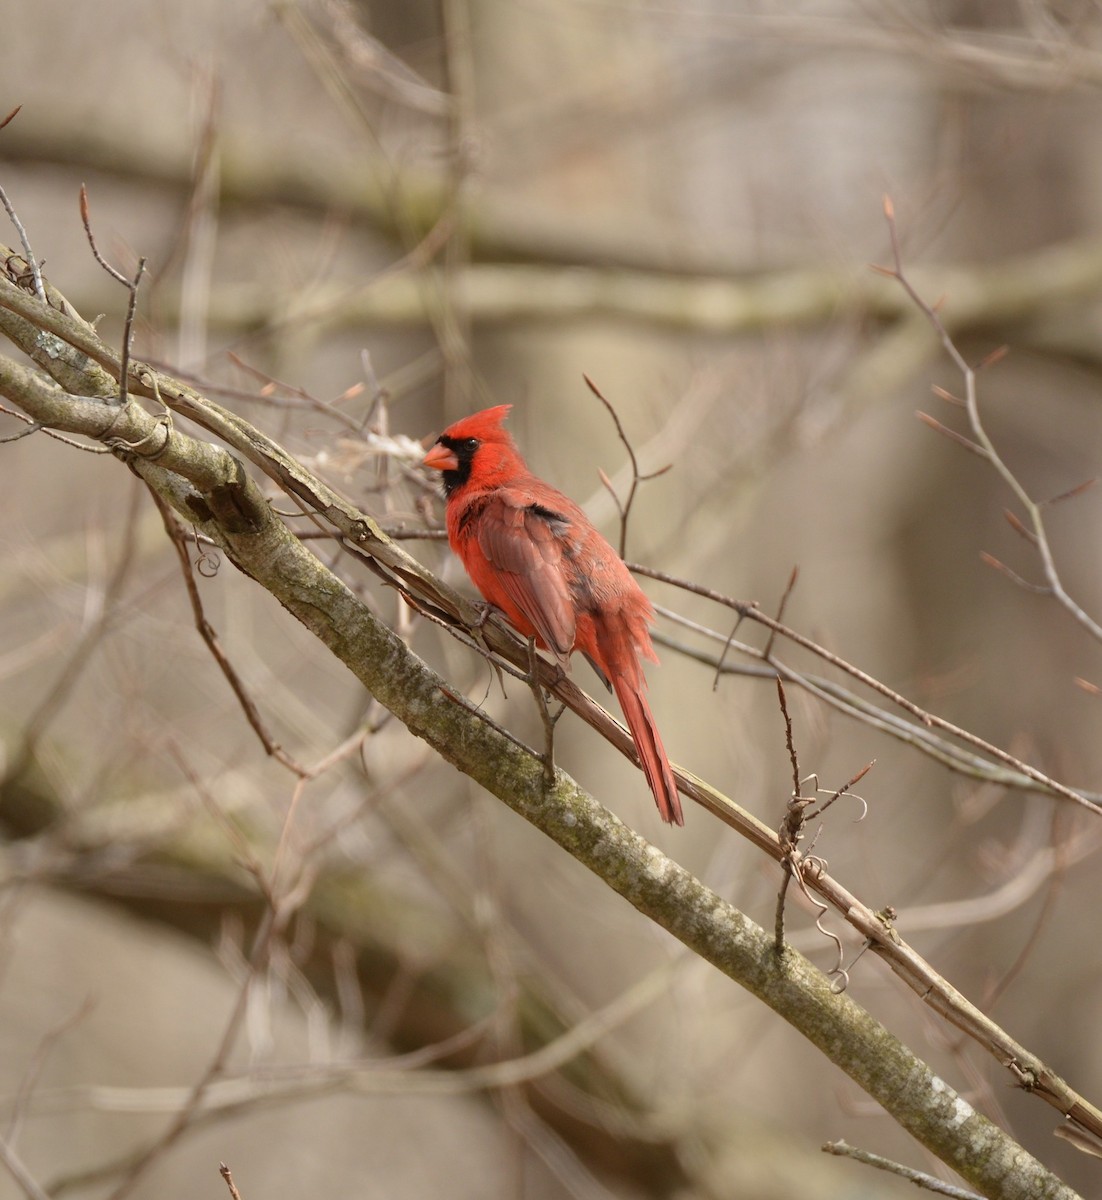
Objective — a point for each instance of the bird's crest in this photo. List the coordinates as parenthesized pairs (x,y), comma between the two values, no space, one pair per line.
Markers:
(487,425)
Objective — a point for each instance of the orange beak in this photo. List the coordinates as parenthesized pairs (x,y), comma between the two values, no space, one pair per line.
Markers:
(440,458)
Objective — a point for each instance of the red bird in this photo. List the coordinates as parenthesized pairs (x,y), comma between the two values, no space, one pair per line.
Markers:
(535,556)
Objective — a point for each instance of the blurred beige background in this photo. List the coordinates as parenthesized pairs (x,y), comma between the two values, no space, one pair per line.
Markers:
(680,201)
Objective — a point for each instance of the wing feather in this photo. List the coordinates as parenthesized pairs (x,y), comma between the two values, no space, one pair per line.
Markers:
(525,544)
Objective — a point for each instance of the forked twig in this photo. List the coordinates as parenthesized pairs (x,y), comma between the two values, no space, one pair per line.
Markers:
(996,564)
(206,632)
(13,216)
(982,443)
(32,426)
(131,286)
(791,830)
(20,1173)
(637,478)
(38,1061)
(847,790)
(38,427)
(799,865)
(767,653)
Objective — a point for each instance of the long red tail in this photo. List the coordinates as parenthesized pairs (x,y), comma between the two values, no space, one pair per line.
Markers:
(631,692)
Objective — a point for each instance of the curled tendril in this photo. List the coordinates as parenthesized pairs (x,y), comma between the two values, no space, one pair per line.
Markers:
(811,867)
(208,562)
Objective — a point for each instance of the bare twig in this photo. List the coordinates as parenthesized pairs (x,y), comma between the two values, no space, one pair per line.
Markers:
(277,393)
(920,1178)
(624,509)
(1073,492)
(179,541)
(38,427)
(32,426)
(846,790)
(931,720)
(32,262)
(1015,523)
(767,653)
(803,866)
(17,1169)
(983,443)
(958,438)
(850,704)
(13,216)
(224,1171)
(38,1061)
(131,286)
(1060,861)
(996,564)
(791,829)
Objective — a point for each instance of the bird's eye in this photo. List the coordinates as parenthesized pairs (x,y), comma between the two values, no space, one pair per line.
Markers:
(470,445)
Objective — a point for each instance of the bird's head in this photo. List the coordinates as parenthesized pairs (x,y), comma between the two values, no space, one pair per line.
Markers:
(476,447)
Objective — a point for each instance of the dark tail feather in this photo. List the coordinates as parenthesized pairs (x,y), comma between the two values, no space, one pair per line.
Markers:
(652,754)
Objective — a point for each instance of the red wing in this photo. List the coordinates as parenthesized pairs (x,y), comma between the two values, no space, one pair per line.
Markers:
(524,543)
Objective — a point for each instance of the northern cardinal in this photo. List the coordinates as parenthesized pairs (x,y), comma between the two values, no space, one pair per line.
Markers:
(535,556)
